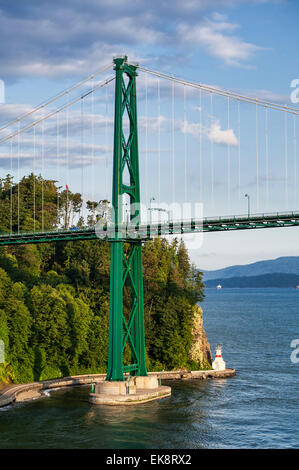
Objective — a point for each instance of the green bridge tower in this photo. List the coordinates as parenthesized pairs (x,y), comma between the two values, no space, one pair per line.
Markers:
(126,264)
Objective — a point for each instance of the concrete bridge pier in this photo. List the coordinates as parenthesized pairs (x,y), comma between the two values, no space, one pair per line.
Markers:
(133,391)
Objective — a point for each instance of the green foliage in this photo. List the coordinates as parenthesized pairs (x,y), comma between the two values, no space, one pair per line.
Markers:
(54,299)
(171,289)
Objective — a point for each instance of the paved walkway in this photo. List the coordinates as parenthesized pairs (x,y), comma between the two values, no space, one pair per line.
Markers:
(22,392)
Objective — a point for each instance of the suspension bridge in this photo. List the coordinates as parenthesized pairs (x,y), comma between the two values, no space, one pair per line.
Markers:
(194,147)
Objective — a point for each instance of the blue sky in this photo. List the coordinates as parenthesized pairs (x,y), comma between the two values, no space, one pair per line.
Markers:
(247,46)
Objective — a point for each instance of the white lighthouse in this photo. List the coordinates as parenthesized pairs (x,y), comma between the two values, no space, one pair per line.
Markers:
(218,363)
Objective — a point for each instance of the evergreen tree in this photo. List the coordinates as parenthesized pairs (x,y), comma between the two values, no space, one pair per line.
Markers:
(54,298)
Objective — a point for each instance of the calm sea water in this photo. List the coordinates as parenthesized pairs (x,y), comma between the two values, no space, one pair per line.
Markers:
(259,408)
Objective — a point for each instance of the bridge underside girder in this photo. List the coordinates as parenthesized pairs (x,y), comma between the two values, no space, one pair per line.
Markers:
(146,232)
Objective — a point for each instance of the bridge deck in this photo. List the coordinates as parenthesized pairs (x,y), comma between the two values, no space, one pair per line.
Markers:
(146,232)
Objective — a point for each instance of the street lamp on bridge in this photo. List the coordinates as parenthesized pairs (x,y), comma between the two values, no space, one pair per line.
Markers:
(158,209)
(248,197)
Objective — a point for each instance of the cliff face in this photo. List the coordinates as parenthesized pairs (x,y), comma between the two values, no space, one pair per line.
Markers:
(200,349)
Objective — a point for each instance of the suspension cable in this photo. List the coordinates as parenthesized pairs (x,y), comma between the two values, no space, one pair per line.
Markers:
(146,139)
(106,141)
(92,155)
(56,97)
(34,156)
(58,165)
(11,149)
(239,155)
(43,164)
(159,145)
(267,157)
(172,141)
(228,156)
(286,159)
(212,151)
(82,158)
(295,163)
(222,92)
(62,108)
(67,169)
(200,147)
(19,182)
(185,146)
(257,156)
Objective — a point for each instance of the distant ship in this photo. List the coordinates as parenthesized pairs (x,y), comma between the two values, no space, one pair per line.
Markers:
(220,287)
(297,287)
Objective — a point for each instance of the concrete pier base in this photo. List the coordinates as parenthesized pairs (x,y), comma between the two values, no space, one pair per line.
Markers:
(131,392)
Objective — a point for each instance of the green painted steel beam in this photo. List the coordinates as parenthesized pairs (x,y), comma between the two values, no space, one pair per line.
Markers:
(146,232)
(126,263)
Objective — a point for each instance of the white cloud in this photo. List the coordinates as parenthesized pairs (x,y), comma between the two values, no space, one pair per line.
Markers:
(219,136)
(152,123)
(191,128)
(215,37)
(214,133)
(37,41)
(268,95)
(219,16)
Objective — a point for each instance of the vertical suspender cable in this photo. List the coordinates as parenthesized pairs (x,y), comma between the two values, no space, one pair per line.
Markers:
(257,156)
(34,189)
(159,145)
(92,151)
(43,162)
(67,165)
(172,132)
(228,156)
(286,159)
(82,157)
(11,142)
(267,157)
(185,146)
(200,148)
(212,151)
(106,142)
(239,155)
(58,167)
(295,164)
(146,140)
(19,178)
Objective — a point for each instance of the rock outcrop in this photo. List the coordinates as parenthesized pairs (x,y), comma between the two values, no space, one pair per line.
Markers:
(200,349)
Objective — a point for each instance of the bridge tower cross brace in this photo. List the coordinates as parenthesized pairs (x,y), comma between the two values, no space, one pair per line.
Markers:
(126,261)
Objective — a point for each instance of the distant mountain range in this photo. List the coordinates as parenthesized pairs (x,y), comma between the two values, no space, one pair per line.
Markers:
(265,280)
(286,265)
(280,272)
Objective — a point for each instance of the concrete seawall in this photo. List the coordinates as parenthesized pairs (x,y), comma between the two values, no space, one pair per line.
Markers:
(23,392)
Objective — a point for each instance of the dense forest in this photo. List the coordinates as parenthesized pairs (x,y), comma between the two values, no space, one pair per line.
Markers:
(54,298)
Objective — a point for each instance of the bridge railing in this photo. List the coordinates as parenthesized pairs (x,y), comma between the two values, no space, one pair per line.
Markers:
(145,230)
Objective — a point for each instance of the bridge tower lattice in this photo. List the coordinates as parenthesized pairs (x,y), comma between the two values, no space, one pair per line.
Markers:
(126,254)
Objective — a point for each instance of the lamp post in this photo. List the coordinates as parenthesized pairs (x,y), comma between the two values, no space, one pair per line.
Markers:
(150,209)
(127,213)
(248,198)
